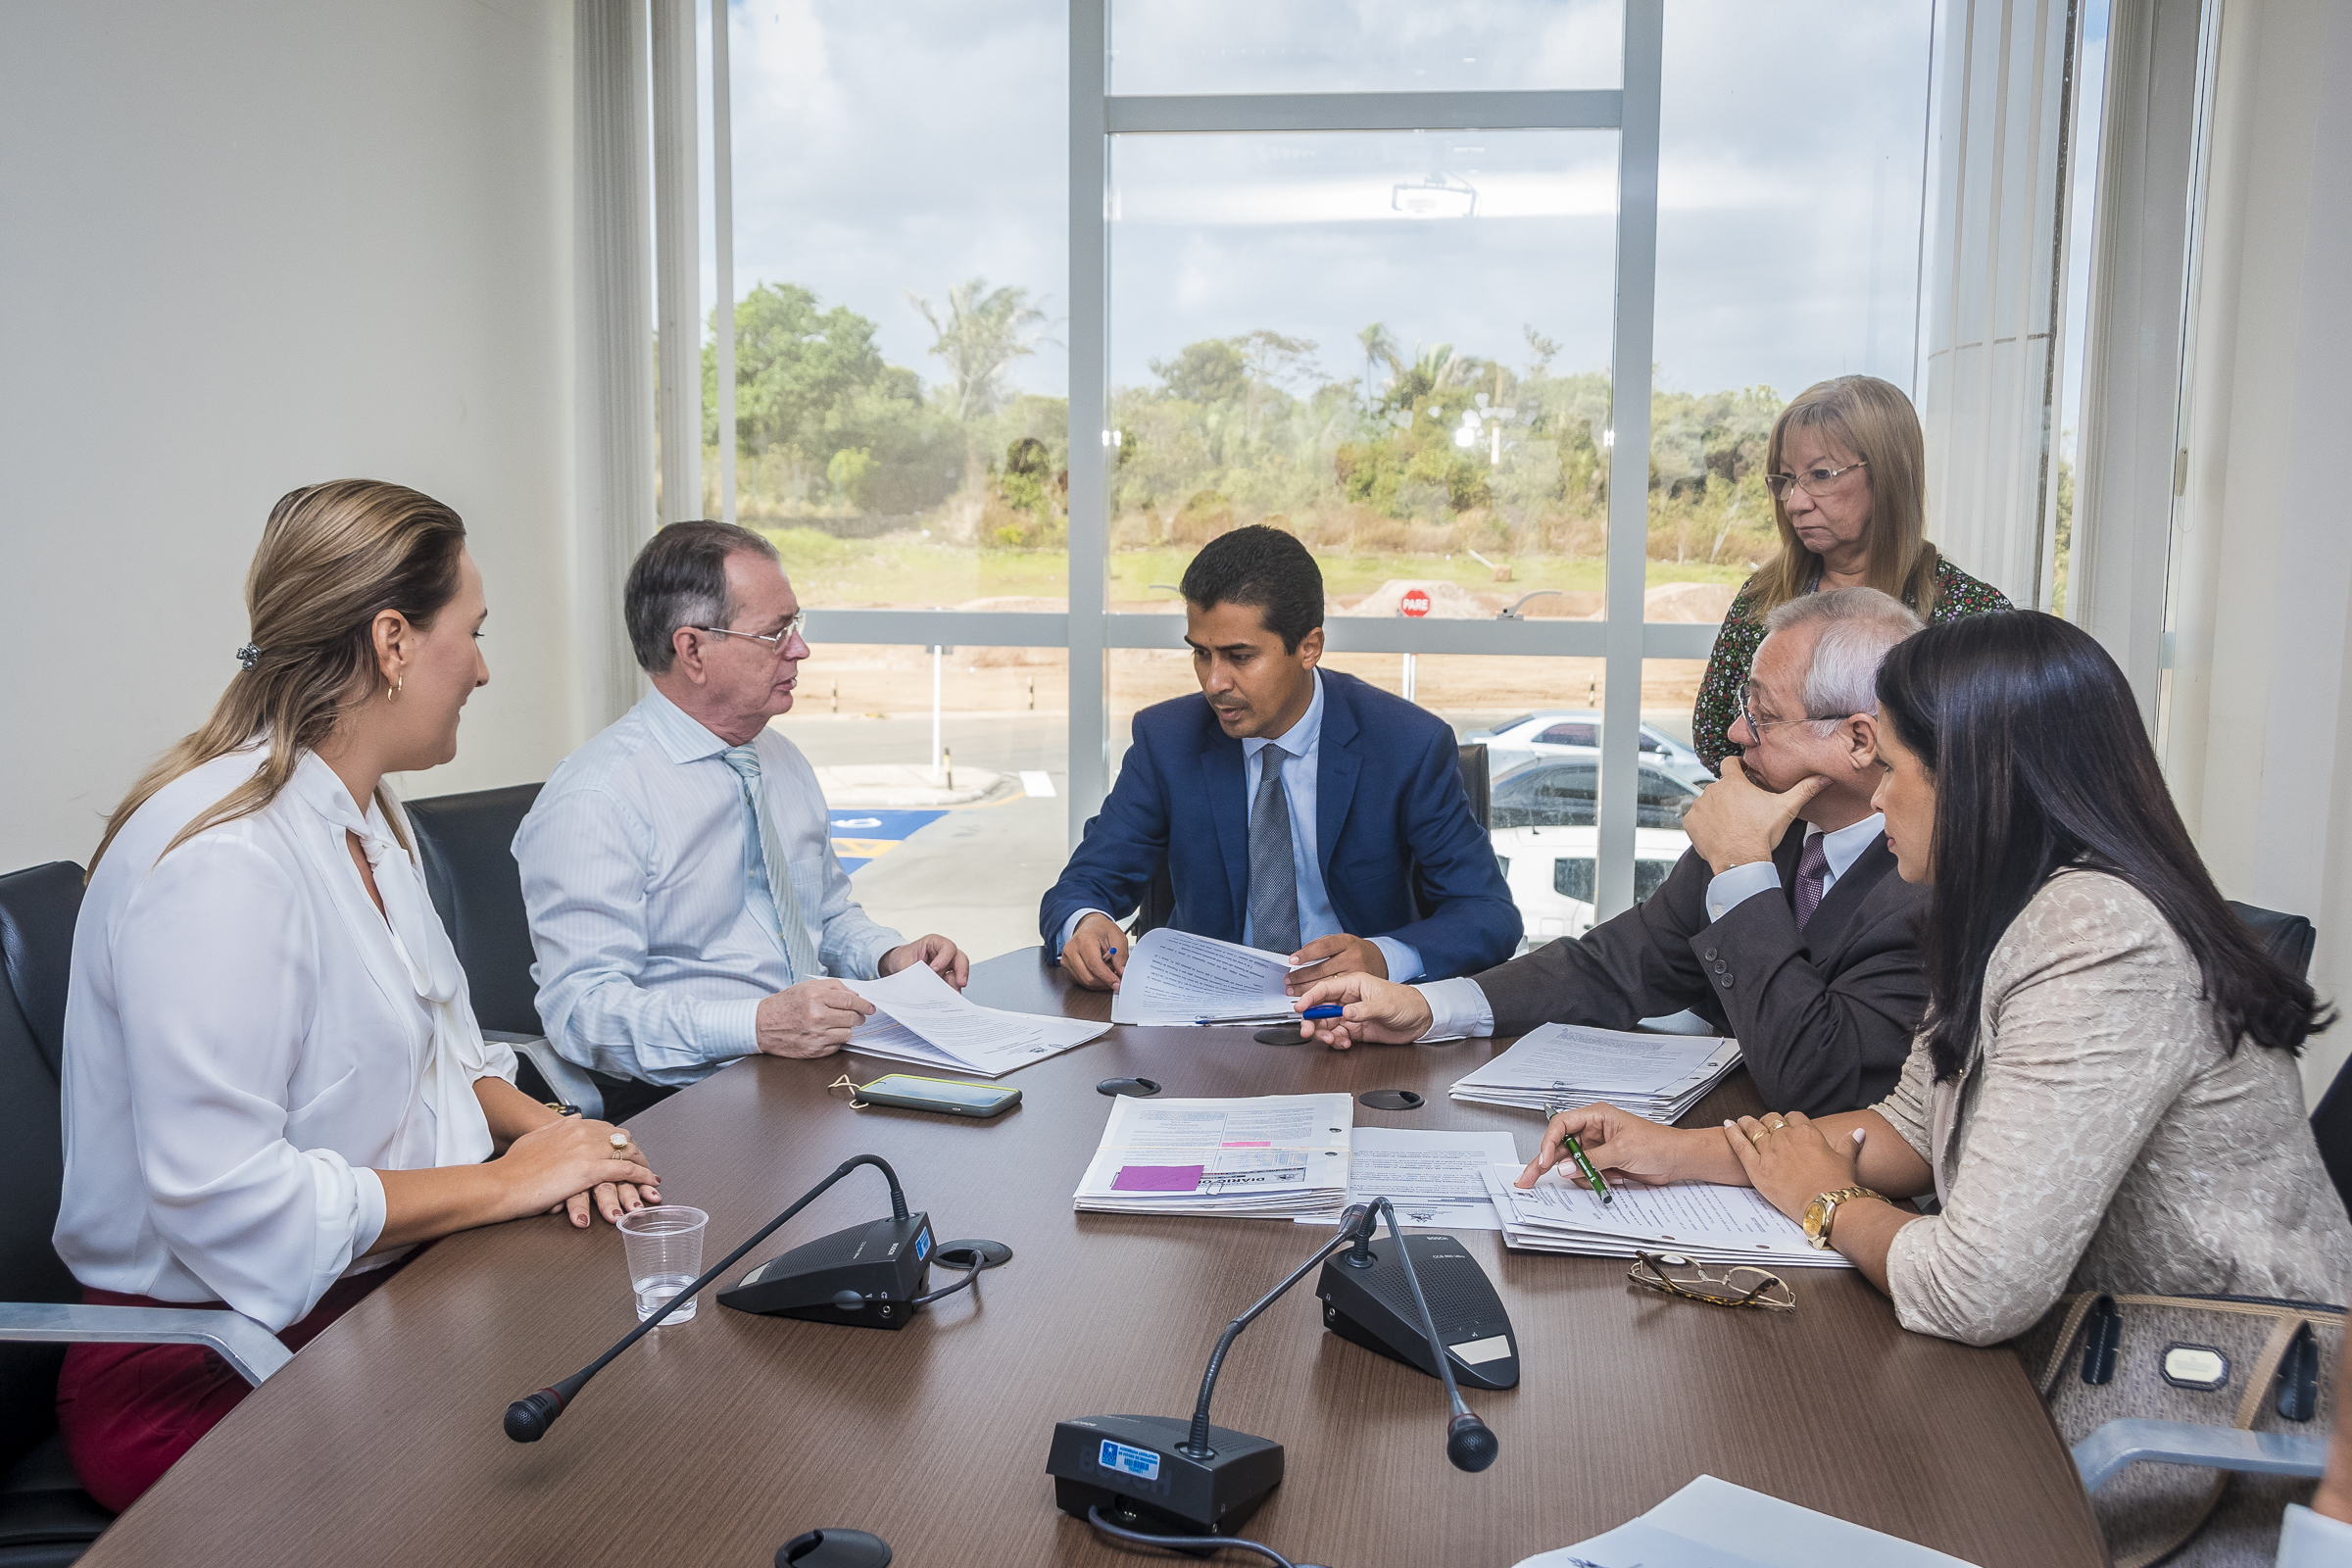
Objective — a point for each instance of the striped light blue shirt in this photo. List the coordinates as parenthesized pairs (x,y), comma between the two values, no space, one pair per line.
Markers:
(652,920)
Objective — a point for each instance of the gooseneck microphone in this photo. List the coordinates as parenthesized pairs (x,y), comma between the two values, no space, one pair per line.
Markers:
(1166,1481)
(1469,1444)
(529,1417)
(1195,1444)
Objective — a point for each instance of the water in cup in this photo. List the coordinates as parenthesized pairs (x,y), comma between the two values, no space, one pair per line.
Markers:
(657,1289)
(663,1245)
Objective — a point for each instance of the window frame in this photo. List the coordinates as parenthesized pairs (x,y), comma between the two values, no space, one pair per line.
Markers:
(1090,632)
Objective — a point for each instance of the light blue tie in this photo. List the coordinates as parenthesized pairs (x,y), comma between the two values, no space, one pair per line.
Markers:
(791,928)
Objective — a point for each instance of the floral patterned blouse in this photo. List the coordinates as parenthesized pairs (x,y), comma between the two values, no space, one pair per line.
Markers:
(1957,594)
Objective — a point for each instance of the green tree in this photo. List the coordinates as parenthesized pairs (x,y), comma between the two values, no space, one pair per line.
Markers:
(793,361)
(1209,372)
(983,333)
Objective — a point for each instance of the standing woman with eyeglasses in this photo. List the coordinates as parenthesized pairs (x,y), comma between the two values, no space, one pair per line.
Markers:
(1847,471)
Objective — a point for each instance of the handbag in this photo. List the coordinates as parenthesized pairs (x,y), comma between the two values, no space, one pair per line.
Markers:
(2241,1361)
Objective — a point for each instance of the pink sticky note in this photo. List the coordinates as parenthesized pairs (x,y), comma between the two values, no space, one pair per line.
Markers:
(1262,1143)
(1157,1178)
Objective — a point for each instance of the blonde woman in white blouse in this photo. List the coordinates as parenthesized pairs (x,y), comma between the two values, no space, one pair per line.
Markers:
(2104,1093)
(273,1084)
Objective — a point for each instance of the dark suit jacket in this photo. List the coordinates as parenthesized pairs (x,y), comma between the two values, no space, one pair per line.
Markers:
(1401,853)
(1824,1018)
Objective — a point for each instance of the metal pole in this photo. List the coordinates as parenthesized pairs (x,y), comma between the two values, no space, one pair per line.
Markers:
(1090,433)
(938,653)
(678,267)
(722,194)
(1629,452)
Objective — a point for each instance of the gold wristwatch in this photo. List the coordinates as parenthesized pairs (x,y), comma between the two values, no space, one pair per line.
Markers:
(1820,1213)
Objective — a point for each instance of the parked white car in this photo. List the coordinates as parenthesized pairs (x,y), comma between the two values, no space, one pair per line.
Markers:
(1550,874)
(1576,732)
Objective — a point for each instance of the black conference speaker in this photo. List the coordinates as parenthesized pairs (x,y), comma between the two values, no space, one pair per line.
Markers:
(866,1275)
(1371,1303)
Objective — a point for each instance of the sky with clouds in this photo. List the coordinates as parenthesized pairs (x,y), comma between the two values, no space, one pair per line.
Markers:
(883,148)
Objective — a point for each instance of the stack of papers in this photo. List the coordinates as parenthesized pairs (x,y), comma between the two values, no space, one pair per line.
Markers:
(1173,977)
(1713,1523)
(1657,1076)
(1278,1157)
(1436,1181)
(1696,1220)
(920,1017)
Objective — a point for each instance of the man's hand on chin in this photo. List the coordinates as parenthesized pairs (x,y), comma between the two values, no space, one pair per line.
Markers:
(1735,821)
(1327,957)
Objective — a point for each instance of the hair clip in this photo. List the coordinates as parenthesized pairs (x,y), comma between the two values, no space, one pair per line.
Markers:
(249,656)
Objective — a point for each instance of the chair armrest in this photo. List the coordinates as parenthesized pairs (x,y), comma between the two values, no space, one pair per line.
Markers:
(567,1078)
(252,1349)
(2120,1443)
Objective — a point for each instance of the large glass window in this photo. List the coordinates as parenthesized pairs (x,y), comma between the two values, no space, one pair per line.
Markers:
(1792,182)
(1312,296)
(1330,331)
(901,261)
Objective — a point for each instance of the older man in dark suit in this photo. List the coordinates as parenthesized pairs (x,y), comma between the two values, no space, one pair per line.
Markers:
(1784,923)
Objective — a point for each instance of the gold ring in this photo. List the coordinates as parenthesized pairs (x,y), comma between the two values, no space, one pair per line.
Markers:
(1757,1138)
(620,1140)
(1776,1126)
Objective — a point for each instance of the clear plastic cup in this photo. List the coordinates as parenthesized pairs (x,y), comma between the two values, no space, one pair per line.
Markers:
(664,1247)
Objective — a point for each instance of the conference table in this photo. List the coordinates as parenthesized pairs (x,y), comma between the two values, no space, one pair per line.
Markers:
(717,1441)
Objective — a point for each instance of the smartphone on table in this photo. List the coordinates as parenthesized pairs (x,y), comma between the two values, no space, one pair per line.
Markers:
(945,1096)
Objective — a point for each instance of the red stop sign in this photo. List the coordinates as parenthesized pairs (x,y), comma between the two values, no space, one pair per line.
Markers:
(1415,601)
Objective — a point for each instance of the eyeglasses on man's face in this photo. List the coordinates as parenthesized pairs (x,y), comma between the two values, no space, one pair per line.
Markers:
(775,640)
(1757,727)
(1813,481)
(1738,1287)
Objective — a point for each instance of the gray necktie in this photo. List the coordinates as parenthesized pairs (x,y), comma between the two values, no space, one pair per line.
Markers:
(791,928)
(1273,880)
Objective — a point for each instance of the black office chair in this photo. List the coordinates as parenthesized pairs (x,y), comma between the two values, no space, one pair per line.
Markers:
(1158,905)
(2290,938)
(465,848)
(46,1519)
(1478,783)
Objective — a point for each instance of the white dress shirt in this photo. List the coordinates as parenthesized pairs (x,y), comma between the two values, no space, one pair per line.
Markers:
(651,914)
(1303,742)
(1459,1008)
(247,1043)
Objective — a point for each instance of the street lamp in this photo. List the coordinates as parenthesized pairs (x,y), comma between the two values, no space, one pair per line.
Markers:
(1512,613)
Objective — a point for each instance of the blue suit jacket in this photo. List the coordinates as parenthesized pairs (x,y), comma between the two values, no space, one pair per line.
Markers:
(1394,833)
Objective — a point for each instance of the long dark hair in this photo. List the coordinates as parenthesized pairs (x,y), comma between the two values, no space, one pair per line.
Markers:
(2040,763)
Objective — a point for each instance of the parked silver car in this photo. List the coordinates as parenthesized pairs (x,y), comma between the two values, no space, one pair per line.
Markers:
(1576,732)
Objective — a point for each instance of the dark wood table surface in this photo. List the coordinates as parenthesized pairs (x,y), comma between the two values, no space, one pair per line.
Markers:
(717,1441)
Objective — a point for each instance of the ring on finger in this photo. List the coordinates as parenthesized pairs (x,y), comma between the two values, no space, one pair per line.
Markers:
(1776,1126)
(1757,1138)
(620,1140)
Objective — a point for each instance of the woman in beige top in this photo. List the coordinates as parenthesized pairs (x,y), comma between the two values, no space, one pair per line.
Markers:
(2104,1093)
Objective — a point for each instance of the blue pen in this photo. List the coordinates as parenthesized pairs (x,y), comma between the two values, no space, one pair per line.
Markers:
(1328,1010)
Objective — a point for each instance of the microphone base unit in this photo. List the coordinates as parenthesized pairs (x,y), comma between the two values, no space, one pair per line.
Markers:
(1134,1467)
(1372,1305)
(867,1275)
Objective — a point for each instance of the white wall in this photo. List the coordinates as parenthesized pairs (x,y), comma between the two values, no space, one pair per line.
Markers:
(2260,739)
(249,246)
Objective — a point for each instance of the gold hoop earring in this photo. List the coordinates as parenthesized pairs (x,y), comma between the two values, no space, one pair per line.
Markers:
(392,692)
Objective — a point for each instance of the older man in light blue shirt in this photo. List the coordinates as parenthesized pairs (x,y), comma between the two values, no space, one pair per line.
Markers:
(685,902)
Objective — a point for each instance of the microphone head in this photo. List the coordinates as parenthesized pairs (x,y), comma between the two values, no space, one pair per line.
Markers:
(1469,1444)
(529,1417)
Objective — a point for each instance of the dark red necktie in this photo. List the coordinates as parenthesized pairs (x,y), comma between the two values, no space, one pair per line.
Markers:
(1811,867)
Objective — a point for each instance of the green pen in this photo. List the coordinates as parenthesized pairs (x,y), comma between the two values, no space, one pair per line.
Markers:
(1576,1152)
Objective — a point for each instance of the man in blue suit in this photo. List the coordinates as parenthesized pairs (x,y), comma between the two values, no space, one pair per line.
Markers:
(1297,811)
